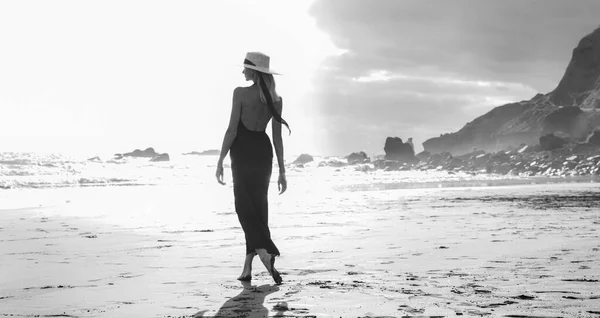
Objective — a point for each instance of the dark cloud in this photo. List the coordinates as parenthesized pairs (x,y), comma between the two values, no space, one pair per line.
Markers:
(446,62)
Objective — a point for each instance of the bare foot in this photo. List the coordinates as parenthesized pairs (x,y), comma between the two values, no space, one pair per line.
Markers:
(268,261)
(247,271)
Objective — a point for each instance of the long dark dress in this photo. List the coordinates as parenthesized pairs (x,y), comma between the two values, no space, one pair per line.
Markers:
(251,163)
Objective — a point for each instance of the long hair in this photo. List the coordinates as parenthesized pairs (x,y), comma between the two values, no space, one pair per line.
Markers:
(268,94)
(269,80)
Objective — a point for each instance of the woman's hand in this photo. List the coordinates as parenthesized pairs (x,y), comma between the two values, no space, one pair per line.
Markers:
(282,183)
(219,173)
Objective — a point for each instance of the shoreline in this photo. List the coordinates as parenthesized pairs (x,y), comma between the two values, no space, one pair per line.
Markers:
(159,252)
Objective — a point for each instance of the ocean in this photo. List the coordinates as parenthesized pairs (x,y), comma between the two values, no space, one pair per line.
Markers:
(43,171)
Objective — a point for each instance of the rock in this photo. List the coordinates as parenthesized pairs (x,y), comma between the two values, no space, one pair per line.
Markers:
(453,163)
(392,165)
(550,142)
(568,120)
(211,152)
(524,149)
(396,150)
(480,132)
(502,169)
(332,163)
(303,159)
(482,159)
(148,153)
(357,158)
(439,158)
(593,139)
(581,74)
(475,153)
(95,159)
(500,157)
(595,158)
(386,164)
(410,142)
(161,157)
(423,155)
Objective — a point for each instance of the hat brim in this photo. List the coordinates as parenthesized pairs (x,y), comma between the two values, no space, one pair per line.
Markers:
(261,69)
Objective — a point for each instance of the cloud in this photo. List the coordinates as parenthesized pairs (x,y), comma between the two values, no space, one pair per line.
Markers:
(418,69)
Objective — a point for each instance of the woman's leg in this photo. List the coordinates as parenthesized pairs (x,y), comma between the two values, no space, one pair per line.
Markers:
(268,261)
(247,271)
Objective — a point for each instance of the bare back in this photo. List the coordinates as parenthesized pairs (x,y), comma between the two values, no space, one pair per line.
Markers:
(255,115)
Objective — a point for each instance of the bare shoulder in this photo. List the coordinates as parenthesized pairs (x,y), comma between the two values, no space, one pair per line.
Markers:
(239,90)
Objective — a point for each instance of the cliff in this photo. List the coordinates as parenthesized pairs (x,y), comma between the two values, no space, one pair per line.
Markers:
(573,107)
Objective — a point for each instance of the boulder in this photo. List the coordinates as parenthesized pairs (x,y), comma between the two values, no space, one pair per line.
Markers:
(161,157)
(481,159)
(502,169)
(551,142)
(303,159)
(524,149)
(424,155)
(399,151)
(453,163)
(500,157)
(357,158)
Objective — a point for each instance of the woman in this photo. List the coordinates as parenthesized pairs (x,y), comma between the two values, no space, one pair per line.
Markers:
(252,159)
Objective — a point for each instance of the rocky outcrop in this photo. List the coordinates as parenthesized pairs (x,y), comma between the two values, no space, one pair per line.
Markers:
(570,120)
(526,121)
(303,159)
(480,133)
(211,152)
(551,142)
(397,150)
(423,155)
(147,153)
(574,159)
(581,76)
(161,157)
(357,158)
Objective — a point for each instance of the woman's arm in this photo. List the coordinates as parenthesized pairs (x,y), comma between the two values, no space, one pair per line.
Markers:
(234,119)
(277,141)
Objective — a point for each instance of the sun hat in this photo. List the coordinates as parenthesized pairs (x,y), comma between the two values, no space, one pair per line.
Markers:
(258,61)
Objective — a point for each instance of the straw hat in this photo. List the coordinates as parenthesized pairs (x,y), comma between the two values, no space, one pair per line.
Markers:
(259,62)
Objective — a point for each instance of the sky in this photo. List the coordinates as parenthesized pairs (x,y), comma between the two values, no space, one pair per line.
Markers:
(418,69)
(112,76)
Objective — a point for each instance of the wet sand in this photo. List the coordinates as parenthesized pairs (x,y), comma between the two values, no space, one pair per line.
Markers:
(508,251)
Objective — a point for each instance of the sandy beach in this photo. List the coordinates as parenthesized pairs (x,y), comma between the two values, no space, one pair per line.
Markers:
(175,251)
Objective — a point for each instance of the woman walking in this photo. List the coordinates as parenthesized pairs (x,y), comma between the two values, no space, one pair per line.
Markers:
(252,159)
